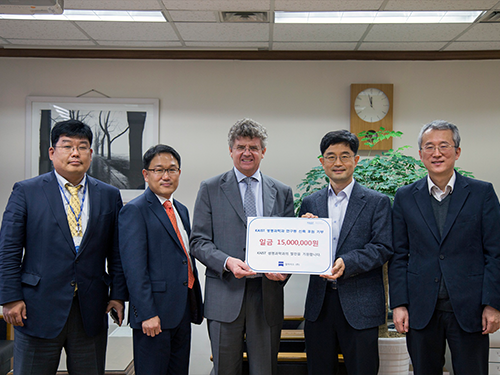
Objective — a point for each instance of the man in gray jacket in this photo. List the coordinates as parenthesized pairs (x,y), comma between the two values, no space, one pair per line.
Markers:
(237,301)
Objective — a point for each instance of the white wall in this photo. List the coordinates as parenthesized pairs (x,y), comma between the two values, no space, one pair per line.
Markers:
(297,101)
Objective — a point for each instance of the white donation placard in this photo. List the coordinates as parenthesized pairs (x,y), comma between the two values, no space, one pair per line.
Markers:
(289,245)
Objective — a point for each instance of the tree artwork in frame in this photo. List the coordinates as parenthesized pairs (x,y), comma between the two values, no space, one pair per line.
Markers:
(123,130)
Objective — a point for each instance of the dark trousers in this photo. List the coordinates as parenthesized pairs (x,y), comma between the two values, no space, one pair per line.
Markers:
(331,331)
(84,355)
(469,351)
(262,340)
(166,353)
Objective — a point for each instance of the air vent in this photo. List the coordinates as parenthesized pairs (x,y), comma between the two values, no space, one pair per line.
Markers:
(493,17)
(244,16)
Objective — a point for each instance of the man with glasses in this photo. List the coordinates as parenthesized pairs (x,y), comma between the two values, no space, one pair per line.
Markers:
(165,295)
(237,301)
(344,309)
(444,277)
(59,231)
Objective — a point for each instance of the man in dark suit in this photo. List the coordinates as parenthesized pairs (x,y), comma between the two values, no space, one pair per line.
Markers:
(165,295)
(58,231)
(237,301)
(444,277)
(344,309)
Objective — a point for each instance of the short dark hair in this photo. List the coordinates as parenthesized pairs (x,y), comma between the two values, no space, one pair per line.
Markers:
(156,150)
(70,128)
(339,136)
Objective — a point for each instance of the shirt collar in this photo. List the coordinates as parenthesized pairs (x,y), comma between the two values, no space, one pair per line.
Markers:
(345,193)
(449,186)
(163,199)
(62,181)
(240,176)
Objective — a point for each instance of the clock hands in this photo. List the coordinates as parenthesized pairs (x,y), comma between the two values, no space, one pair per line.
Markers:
(371,101)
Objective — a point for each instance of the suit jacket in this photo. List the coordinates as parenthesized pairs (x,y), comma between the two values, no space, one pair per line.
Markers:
(38,262)
(467,255)
(219,231)
(154,262)
(365,244)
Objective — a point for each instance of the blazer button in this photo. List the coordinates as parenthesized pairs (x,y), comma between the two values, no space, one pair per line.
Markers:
(72,283)
(436,280)
(184,262)
(185,283)
(441,257)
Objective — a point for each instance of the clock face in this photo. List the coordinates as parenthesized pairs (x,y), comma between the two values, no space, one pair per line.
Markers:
(371,105)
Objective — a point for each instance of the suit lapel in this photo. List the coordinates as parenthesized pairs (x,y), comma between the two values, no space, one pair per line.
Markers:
(458,197)
(161,214)
(53,195)
(423,201)
(322,203)
(354,208)
(94,197)
(229,187)
(268,195)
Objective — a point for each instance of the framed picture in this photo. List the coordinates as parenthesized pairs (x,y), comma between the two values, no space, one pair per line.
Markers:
(123,130)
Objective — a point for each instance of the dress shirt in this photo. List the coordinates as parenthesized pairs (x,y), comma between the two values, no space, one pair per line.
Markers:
(436,192)
(86,204)
(337,207)
(256,187)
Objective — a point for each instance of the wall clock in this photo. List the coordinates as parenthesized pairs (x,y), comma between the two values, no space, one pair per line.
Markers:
(371,109)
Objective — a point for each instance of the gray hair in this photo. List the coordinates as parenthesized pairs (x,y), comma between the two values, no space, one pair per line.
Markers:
(440,125)
(247,128)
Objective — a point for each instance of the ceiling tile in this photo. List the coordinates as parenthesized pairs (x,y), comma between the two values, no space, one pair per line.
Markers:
(138,44)
(317,32)
(326,5)
(129,31)
(52,42)
(414,46)
(439,5)
(297,46)
(224,32)
(482,32)
(228,45)
(112,4)
(470,46)
(39,30)
(193,16)
(414,32)
(219,5)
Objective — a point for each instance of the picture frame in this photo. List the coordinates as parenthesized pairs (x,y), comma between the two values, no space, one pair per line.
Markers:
(123,129)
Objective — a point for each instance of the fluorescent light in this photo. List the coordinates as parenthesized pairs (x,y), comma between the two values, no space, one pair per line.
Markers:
(93,15)
(377,17)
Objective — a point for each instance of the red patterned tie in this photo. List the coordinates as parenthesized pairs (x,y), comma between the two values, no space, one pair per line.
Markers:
(171,216)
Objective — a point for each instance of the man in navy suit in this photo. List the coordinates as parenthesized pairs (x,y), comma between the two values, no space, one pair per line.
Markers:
(54,287)
(165,295)
(344,309)
(444,277)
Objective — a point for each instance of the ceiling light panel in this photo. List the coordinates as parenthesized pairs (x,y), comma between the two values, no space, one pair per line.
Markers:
(93,15)
(377,17)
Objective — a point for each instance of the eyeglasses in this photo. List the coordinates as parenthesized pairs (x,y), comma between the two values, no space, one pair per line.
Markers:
(250,148)
(343,159)
(70,149)
(443,148)
(161,171)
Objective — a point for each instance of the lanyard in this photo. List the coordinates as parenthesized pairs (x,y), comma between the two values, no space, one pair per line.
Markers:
(77,218)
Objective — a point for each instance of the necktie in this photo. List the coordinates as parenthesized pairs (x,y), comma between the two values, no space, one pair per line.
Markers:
(173,220)
(249,199)
(73,212)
